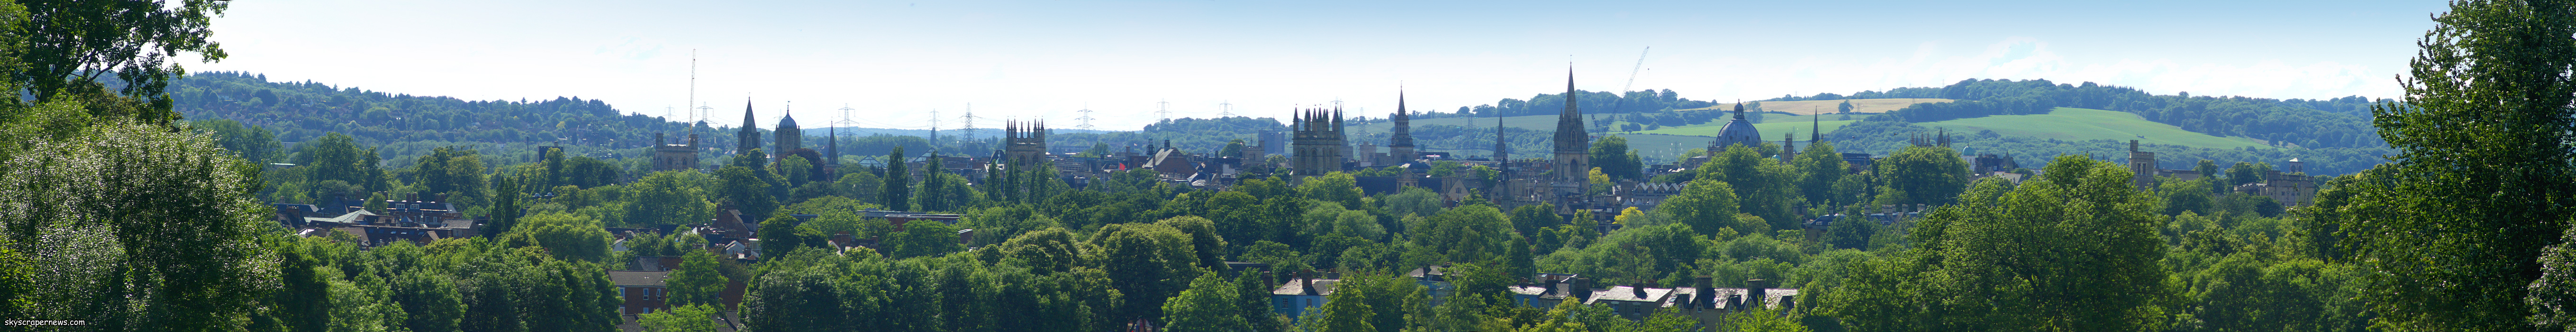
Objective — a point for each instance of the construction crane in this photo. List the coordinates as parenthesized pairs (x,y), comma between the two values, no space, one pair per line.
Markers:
(1632,72)
(1632,83)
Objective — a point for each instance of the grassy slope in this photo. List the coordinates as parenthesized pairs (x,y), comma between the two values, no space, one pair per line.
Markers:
(2087,124)
(1827,106)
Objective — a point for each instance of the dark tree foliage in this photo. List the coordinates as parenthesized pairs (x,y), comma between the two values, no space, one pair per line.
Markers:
(2456,235)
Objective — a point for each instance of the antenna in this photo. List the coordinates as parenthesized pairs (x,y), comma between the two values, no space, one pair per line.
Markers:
(1225,109)
(1164,110)
(693,88)
(1086,118)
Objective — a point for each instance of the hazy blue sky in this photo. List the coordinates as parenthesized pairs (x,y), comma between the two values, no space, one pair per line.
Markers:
(894,61)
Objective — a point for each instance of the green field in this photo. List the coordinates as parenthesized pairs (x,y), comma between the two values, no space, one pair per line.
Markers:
(1769,130)
(2075,124)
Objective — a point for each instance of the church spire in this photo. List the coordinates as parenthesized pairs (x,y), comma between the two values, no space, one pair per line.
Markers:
(1570,137)
(749,138)
(1402,135)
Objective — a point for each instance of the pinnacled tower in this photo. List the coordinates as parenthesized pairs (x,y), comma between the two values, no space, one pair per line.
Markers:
(1399,142)
(749,137)
(1025,143)
(1319,143)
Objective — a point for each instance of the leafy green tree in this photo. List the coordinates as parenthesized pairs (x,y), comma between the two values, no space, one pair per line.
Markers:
(1210,304)
(1707,204)
(2003,263)
(1474,233)
(336,156)
(690,318)
(506,209)
(668,198)
(1820,168)
(1209,247)
(1336,187)
(924,238)
(68,50)
(1611,154)
(1527,220)
(566,236)
(1763,186)
(696,282)
(744,190)
(253,143)
(2246,172)
(897,192)
(451,170)
(1922,175)
(1148,263)
(2454,234)
(158,211)
(428,301)
(778,236)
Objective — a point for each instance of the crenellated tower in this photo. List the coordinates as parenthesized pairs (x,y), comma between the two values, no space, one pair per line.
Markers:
(1025,143)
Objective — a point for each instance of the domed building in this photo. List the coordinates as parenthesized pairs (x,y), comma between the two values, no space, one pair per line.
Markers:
(1737,131)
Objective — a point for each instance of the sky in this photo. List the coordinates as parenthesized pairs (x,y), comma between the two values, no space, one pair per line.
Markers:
(893,63)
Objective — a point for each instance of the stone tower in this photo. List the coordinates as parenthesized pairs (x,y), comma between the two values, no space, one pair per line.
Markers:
(1399,141)
(789,139)
(673,157)
(1573,147)
(749,138)
(1319,143)
(2143,164)
(1025,143)
(1788,147)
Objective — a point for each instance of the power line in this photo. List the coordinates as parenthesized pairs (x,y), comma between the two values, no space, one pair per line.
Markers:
(1086,118)
(1164,109)
(1225,109)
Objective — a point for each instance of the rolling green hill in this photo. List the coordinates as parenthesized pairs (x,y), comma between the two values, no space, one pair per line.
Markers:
(2076,124)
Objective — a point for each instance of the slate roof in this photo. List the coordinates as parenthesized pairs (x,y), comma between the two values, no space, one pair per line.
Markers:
(1626,293)
(1298,287)
(638,278)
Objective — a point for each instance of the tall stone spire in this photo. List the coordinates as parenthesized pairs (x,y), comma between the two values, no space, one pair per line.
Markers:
(1402,135)
(1815,129)
(749,138)
(1573,148)
(1399,143)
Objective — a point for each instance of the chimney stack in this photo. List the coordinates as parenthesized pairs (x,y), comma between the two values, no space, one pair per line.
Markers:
(1753,291)
(1638,289)
(1705,292)
(1582,290)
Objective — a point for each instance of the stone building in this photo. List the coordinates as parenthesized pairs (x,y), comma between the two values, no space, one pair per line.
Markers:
(1319,142)
(1024,143)
(1399,141)
(673,157)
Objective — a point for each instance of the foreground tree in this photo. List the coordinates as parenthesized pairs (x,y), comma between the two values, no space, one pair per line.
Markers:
(141,227)
(1999,260)
(2482,180)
